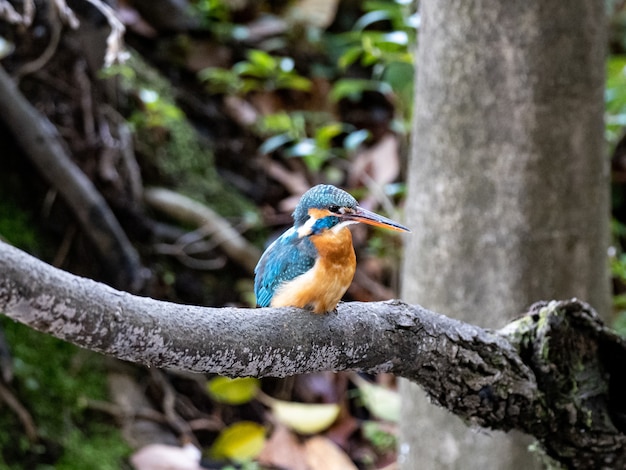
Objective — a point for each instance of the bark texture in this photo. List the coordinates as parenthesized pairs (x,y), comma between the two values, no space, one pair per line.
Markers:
(555,373)
(508,189)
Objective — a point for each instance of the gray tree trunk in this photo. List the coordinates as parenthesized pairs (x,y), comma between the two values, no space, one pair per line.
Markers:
(508,186)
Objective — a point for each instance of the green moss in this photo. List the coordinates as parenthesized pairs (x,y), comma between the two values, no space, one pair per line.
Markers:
(543,458)
(16,225)
(101,449)
(170,146)
(382,440)
(619,324)
(51,379)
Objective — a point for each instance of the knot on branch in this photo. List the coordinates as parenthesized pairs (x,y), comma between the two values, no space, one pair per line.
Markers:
(578,364)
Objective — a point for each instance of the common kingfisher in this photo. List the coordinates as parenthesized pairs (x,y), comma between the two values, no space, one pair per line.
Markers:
(312,264)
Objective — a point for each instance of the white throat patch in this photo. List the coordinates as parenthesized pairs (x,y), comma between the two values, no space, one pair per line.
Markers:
(306,228)
(342,225)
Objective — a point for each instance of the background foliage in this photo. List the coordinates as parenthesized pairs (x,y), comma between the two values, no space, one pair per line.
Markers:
(240,106)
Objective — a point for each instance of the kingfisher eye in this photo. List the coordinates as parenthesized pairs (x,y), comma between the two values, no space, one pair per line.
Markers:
(334,209)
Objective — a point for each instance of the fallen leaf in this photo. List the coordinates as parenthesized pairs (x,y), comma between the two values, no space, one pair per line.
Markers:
(382,402)
(240,442)
(283,450)
(376,166)
(323,454)
(317,13)
(164,457)
(304,418)
(324,387)
(343,429)
(233,391)
(240,110)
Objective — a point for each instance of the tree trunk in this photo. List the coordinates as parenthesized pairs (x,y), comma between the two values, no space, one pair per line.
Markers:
(508,187)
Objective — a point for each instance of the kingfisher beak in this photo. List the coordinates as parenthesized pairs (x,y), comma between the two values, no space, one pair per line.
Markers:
(371,218)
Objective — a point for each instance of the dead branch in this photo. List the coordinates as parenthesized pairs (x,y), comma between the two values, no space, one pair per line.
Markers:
(9,399)
(45,148)
(555,373)
(9,14)
(187,210)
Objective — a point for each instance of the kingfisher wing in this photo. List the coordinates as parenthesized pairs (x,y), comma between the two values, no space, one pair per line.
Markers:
(285,259)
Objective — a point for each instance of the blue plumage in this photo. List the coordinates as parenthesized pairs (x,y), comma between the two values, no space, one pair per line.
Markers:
(321,196)
(292,255)
(321,216)
(288,257)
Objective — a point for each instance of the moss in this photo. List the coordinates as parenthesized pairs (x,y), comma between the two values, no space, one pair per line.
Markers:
(51,379)
(543,458)
(171,147)
(17,226)
(101,449)
(619,324)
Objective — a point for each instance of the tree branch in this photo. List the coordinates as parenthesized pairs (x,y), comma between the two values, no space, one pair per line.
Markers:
(555,369)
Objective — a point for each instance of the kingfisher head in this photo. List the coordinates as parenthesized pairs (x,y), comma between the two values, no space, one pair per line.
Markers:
(325,207)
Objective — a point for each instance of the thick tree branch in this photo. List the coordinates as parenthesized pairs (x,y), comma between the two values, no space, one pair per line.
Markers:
(555,369)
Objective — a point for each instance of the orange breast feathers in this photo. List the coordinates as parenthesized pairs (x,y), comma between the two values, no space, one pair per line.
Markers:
(322,287)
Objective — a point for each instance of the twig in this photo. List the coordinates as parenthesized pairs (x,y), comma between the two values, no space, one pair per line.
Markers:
(295,183)
(120,137)
(10,14)
(141,423)
(174,420)
(42,144)
(55,36)
(122,413)
(6,360)
(86,101)
(192,243)
(62,251)
(22,413)
(65,13)
(187,210)
(115,40)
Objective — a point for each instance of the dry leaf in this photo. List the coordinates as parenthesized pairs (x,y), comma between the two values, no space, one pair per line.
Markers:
(164,457)
(283,450)
(239,442)
(240,110)
(317,13)
(305,418)
(376,166)
(323,454)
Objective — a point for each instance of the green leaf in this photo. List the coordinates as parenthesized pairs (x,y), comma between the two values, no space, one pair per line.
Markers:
(302,148)
(276,123)
(353,88)
(380,401)
(233,391)
(356,138)
(287,64)
(6,47)
(350,56)
(262,60)
(396,37)
(239,442)
(274,143)
(382,439)
(370,18)
(619,324)
(304,418)
(293,82)
(325,134)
